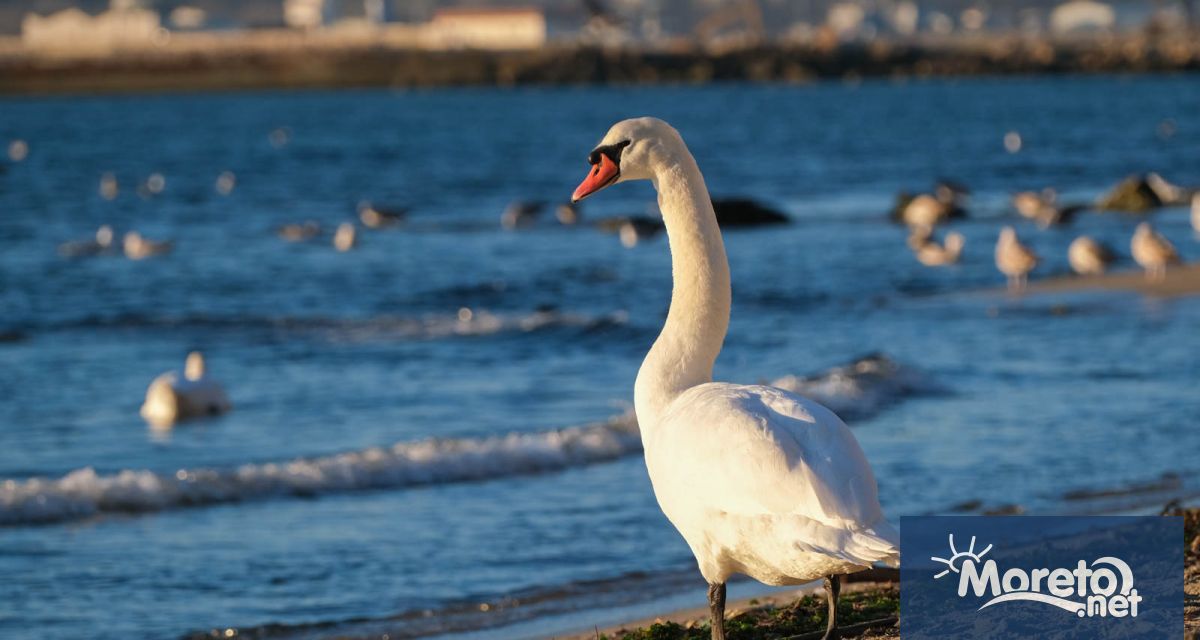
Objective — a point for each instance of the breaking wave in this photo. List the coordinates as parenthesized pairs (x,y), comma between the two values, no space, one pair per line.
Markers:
(862,388)
(464,322)
(855,391)
(84,492)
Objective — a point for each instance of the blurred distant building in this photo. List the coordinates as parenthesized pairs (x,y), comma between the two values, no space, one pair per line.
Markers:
(188,18)
(846,19)
(515,28)
(124,25)
(1082,15)
(304,14)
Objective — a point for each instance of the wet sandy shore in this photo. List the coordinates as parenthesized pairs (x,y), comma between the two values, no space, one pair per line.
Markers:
(1179,281)
(883,582)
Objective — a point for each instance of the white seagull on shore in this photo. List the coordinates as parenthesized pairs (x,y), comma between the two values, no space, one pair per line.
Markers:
(758,480)
(1014,259)
(1152,251)
(1088,257)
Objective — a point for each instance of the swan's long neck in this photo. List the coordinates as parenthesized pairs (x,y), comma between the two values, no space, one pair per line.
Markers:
(683,355)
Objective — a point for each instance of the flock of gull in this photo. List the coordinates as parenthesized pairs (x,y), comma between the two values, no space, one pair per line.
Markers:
(176,396)
(1087,256)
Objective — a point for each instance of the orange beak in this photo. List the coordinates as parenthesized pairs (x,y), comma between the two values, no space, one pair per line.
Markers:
(603,173)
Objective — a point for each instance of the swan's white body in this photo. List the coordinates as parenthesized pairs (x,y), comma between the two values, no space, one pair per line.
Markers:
(758,480)
(173,397)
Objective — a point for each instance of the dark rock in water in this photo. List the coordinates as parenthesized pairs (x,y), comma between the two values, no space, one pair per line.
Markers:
(11,335)
(1005,510)
(967,506)
(744,212)
(1133,194)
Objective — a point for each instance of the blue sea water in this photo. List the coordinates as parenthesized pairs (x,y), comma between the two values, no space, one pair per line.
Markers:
(319,506)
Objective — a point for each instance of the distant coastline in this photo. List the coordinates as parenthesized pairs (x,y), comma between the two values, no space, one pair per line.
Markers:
(244,61)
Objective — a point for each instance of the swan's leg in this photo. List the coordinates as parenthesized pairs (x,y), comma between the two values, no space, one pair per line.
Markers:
(716,608)
(833,586)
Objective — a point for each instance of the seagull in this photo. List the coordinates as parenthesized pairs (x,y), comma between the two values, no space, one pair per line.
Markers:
(1152,252)
(1014,259)
(139,248)
(1089,257)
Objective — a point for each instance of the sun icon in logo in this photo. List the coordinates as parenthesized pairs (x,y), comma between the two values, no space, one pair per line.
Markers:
(958,557)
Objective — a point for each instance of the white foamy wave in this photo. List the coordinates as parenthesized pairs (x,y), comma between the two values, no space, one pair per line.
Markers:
(83,493)
(854,391)
(862,388)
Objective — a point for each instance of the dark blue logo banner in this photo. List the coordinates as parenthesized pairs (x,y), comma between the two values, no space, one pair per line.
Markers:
(994,578)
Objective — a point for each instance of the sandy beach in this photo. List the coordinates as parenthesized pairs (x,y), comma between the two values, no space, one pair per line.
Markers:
(1179,281)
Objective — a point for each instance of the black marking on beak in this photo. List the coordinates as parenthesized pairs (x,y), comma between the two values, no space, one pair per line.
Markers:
(613,151)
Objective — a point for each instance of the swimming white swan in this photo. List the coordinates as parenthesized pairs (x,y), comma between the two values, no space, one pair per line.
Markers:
(1014,259)
(758,480)
(171,399)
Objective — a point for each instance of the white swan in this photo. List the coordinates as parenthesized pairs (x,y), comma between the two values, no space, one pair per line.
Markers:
(758,480)
(171,399)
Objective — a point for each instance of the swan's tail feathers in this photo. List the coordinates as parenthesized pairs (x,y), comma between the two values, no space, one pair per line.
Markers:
(885,540)
(861,546)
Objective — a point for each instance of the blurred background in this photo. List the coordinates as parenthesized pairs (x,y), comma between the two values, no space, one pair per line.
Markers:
(409,415)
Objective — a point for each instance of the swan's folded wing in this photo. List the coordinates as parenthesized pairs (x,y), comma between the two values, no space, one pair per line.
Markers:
(762,451)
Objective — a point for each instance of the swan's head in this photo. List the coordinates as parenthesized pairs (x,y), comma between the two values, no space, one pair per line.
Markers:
(193,369)
(1143,229)
(629,151)
(1008,234)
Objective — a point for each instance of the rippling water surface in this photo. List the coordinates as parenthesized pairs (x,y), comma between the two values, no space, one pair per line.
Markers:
(393,461)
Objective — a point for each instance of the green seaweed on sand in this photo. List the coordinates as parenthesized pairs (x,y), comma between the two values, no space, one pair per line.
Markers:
(803,616)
